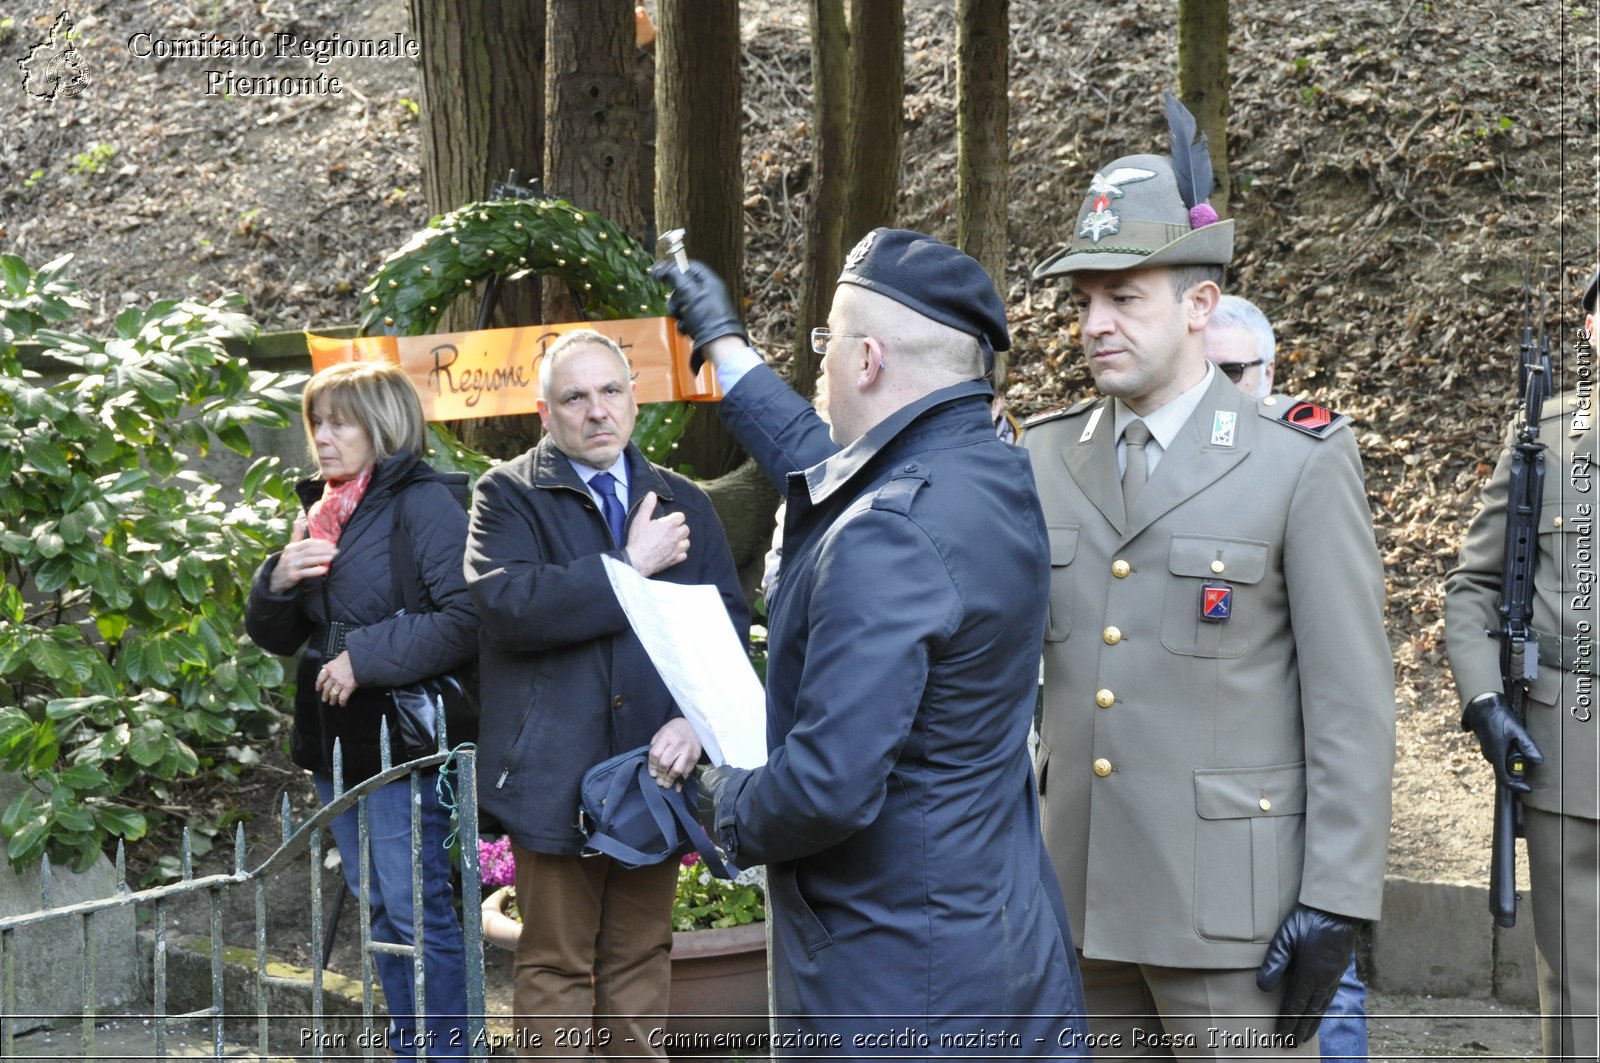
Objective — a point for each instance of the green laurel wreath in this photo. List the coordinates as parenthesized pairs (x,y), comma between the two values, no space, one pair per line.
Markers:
(512,238)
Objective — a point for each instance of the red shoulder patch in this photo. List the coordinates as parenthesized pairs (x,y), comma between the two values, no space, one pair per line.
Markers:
(1312,419)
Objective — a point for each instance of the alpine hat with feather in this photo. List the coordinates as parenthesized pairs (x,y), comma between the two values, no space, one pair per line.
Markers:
(1146,211)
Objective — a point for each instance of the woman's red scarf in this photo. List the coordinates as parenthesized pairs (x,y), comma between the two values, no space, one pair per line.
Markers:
(327,517)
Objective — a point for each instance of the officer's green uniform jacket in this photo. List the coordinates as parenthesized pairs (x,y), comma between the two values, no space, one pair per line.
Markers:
(1200,777)
(1561,716)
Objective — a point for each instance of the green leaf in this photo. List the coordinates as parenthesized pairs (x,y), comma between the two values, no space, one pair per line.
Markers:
(49,657)
(124,822)
(43,454)
(84,777)
(149,742)
(147,382)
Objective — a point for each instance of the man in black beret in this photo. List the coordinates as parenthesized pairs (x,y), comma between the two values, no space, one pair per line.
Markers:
(912,902)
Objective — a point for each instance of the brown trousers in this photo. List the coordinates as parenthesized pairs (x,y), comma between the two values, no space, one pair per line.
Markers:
(592,968)
(1140,1010)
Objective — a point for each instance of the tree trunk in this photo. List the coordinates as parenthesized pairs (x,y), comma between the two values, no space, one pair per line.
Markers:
(482,115)
(592,127)
(830,123)
(877,114)
(699,170)
(1203,82)
(745,502)
(982,134)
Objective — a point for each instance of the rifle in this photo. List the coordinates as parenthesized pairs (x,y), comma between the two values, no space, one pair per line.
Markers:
(1519,647)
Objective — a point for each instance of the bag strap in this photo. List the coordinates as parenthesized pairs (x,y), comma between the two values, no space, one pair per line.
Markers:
(681,802)
(403,579)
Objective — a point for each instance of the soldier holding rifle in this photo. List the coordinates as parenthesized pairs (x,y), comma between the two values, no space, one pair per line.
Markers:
(1520,646)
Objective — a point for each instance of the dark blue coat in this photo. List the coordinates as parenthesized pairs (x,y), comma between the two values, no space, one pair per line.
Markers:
(565,682)
(386,650)
(909,886)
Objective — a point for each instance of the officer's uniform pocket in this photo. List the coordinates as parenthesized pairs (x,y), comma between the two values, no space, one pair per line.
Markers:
(1233,565)
(1063,547)
(1249,849)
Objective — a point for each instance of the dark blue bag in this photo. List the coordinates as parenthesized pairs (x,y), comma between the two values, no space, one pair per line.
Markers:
(625,815)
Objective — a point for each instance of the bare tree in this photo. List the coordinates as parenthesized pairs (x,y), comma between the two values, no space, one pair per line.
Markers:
(592,129)
(982,138)
(1203,82)
(830,124)
(699,170)
(877,114)
(482,116)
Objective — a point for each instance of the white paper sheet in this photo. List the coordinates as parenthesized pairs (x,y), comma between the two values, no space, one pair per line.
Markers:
(686,631)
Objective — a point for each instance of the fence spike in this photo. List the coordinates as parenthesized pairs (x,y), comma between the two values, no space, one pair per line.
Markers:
(283,817)
(338,768)
(439,725)
(238,848)
(188,856)
(122,869)
(384,763)
(44,883)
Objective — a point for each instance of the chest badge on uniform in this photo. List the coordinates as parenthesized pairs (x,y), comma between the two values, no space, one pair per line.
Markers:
(1216,601)
(1222,425)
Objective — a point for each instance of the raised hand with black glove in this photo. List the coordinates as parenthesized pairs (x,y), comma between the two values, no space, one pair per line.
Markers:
(700,303)
(1502,737)
(1313,948)
(713,781)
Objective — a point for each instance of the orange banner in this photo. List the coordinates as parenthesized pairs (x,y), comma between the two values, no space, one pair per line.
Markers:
(494,372)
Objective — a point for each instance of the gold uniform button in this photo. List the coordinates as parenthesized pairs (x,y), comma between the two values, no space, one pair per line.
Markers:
(1104,698)
(1266,806)
(1120,568)
(1269,401)
(1217,566)
(1112,635)
(1558,522)
(1102,767)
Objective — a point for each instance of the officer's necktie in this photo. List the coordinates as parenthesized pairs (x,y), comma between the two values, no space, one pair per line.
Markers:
(1136,468)
(605,485)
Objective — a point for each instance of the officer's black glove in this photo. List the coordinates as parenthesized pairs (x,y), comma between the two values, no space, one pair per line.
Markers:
(712,782)
(1313,948)
(700,303)
(1501,736)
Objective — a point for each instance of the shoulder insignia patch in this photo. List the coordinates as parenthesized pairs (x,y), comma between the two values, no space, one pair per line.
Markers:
(1082,406)
(1313,420)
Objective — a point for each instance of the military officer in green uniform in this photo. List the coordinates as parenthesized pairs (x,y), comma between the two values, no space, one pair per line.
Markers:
(1558,741)
(1218,733)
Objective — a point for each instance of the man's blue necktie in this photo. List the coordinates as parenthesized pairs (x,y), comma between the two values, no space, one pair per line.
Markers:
(605,486)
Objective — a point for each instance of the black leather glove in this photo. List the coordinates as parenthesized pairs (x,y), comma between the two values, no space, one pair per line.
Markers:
(712,782)
(1501,737)
(1313,948)
(700,303)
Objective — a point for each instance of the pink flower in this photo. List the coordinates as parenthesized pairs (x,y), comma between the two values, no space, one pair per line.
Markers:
(496,865)
(690,859)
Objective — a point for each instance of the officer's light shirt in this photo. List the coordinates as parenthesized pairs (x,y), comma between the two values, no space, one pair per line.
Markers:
(1164,424)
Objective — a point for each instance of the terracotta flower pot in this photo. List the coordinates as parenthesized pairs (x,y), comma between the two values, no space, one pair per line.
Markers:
(719,981)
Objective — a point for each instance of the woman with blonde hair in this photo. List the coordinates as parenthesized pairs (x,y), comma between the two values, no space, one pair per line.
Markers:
(331,590)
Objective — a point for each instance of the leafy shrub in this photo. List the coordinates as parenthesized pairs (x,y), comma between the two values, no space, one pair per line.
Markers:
(125,572)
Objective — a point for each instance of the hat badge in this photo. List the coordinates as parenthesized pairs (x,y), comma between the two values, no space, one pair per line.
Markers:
(1102,220)
(859,252)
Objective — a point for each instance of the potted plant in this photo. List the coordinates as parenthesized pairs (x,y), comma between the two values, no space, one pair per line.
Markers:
(719,942)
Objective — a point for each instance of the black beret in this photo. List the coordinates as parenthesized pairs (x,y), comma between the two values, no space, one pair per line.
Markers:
(1588,295)
(934,279)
